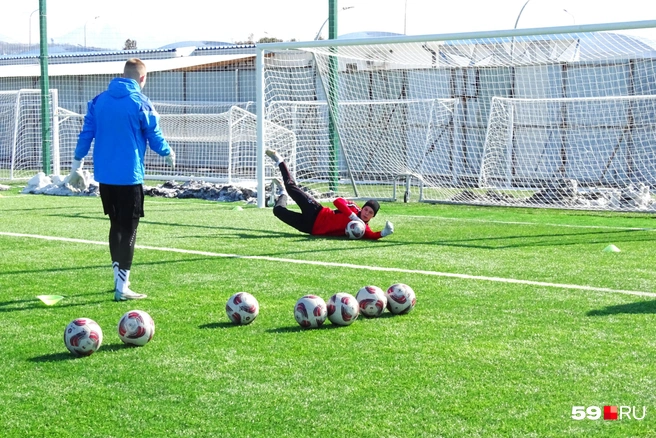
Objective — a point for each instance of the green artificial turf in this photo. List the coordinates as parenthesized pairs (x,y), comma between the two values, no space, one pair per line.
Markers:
(520,316)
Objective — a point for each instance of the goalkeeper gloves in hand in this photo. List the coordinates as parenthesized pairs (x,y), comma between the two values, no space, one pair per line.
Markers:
(170,159)
(389,229)
(76,165)
(76,172)
(354,217)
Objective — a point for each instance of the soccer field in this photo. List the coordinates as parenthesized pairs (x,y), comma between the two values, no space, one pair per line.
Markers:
(521,319)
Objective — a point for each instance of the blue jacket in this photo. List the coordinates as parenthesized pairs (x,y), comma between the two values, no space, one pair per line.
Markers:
(121,120)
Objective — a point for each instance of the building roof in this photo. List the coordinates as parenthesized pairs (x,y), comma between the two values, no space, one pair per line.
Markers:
(182,63)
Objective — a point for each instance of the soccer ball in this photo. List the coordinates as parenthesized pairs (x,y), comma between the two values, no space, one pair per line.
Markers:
(242,308)
(355,229)
(372,301)
(343,309)
(310,311)
(400,298)
(136,327)
(83,336)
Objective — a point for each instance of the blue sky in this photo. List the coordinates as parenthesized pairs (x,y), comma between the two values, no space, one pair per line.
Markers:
(154,25)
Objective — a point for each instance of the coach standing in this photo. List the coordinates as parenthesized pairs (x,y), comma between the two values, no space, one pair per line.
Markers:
(122,120)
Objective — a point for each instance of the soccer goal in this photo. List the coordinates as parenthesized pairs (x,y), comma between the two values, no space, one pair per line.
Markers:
(375,155)
(209,146)
(21,148)
(217,147)
(557,117)
(597,153)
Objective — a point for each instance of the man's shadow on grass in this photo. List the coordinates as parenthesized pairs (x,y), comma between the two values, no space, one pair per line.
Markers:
(103,266)
(25,304)
(641,307)
(10,306)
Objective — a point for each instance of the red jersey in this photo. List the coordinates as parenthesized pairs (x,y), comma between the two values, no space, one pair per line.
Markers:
(333,222)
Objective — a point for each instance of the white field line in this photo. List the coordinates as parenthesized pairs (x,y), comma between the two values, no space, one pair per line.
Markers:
(348,265)
(489,221)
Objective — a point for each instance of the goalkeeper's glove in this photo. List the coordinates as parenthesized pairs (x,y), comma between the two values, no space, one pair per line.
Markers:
(76,165)
(389,229)
(170,159)
(354,217)
(76,172)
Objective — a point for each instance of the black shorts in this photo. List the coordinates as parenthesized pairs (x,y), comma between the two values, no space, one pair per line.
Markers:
(122,202)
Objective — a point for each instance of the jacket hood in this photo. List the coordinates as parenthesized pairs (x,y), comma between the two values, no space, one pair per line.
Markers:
(121,87)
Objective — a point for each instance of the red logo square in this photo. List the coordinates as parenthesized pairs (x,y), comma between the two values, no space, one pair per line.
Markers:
(610,412)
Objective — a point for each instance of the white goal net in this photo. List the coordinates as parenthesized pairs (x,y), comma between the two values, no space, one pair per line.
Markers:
(561,120)
(21,151)
(375,153)
(209,146)
(576,152)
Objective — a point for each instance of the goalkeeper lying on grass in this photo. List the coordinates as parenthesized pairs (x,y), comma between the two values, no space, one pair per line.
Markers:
(318,220)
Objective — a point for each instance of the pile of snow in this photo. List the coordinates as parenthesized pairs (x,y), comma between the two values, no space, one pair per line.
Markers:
(216,192)
(204,190)
(81,184)
(568,193)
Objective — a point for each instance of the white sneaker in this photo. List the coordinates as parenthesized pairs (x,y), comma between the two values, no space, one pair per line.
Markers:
(277,185)
(273,155)
(272,196)
(128,295)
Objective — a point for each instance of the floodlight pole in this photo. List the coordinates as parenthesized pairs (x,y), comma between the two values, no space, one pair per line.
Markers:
(29,44)
(520,14)
(316,37)
(571,15)
(85,29)
(405,18)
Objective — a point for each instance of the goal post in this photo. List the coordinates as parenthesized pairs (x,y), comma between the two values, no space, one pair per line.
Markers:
(430,115)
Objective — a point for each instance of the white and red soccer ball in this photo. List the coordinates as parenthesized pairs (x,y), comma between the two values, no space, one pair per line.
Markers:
(400,299)
(83,336)
(136,327)
(310,311)
(343,309)
(355,229)
(242,308)
(372,301)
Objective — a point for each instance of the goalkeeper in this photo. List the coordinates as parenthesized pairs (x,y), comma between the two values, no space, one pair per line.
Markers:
(318,220)
(120,121)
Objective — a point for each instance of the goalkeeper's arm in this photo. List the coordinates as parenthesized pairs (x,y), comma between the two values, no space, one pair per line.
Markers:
(343,207)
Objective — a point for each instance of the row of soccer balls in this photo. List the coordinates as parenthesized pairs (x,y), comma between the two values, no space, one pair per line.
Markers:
(83,336)
(342,309)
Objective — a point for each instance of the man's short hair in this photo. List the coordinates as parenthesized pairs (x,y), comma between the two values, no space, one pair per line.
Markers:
(134,69)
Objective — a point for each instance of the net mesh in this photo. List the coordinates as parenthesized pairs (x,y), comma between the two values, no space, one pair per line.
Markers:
(557,120)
